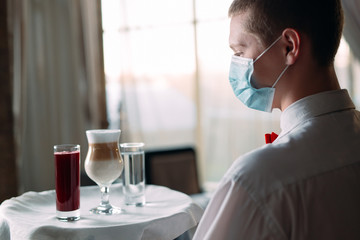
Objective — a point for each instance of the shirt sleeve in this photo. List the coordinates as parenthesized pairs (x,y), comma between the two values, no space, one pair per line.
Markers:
(233,214)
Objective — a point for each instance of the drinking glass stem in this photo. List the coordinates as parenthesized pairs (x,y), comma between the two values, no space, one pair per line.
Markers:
(105,195)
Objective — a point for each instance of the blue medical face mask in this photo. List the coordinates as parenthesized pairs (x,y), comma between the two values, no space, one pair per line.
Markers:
(241,70)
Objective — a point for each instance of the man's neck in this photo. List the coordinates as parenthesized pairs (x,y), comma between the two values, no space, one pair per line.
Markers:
(309,81)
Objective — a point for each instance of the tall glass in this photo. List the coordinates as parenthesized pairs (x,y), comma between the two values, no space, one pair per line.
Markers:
(67,181)
(134,173)
(103,164)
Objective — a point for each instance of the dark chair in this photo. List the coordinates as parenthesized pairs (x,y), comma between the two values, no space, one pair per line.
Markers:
(173,168)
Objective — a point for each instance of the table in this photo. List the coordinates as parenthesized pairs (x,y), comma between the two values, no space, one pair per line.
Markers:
(166,215)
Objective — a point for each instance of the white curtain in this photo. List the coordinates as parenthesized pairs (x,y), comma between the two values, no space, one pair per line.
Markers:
(352,25)
(58,82)
(149,84)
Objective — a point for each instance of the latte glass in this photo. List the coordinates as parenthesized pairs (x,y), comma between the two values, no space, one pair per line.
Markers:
(103,164)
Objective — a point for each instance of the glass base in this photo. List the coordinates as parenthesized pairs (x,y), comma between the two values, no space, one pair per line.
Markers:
(106,210)
(138,201)
(68,216)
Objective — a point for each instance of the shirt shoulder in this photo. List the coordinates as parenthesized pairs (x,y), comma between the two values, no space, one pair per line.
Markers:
(319,145)
(259,171)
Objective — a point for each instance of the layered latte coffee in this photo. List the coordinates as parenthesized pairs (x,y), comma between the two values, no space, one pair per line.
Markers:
(103,162)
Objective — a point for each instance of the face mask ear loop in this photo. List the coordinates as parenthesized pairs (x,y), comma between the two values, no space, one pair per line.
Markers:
(281,74)
(267,49)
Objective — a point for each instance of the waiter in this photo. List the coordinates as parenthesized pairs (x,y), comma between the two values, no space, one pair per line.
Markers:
(306,183)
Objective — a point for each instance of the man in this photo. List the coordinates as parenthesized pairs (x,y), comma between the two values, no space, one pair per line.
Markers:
(306,184)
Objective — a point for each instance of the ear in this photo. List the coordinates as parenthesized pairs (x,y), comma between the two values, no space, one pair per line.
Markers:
(291,38)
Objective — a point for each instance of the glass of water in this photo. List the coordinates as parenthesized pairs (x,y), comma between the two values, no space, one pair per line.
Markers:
(134,173)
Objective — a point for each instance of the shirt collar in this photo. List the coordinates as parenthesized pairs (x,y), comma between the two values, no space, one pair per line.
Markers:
(313,106)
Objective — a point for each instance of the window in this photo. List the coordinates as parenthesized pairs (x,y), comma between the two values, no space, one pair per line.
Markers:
(166,64)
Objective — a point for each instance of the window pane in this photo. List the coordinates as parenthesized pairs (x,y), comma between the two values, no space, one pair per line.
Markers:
(212,9)
(165,50)
(156,69)
(110,15)
(113,54)
(137,13)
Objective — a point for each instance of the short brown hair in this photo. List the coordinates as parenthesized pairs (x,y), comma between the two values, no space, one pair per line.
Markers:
(321,20)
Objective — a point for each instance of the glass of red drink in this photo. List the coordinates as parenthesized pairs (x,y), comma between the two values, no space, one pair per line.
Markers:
(67,181)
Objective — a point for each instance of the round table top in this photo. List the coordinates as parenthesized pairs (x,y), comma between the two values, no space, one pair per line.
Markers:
(166,215)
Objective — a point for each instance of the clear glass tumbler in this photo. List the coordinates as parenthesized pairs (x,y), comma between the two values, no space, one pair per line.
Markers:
(134,173)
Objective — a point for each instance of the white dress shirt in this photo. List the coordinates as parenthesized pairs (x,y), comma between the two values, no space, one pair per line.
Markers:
(305,185)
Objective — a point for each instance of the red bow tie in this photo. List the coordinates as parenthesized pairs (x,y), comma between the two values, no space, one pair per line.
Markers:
(270,137)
